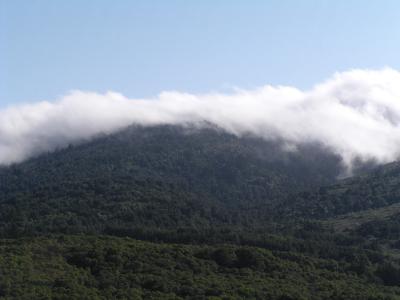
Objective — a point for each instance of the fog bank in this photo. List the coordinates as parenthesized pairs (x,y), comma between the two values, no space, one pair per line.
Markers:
(355,113)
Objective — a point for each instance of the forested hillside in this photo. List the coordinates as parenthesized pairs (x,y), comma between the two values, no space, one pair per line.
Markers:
(218,216)
(159,176)
(377,188)
(116,268)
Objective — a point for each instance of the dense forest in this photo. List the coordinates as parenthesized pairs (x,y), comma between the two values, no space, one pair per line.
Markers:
(172,212)
(377,188)
(76,267)
(161,176)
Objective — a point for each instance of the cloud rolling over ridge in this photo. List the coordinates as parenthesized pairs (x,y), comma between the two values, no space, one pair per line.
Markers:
(356,114)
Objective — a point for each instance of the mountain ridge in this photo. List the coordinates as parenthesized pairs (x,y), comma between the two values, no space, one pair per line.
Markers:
(160,176)
(219,217)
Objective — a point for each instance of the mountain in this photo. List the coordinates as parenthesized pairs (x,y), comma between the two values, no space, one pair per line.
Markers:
(170,212)
(163,176)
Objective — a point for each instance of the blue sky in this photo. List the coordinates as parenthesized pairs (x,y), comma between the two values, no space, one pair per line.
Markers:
(140,48)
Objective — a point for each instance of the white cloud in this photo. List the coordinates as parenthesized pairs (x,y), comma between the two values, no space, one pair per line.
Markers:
(355,113)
